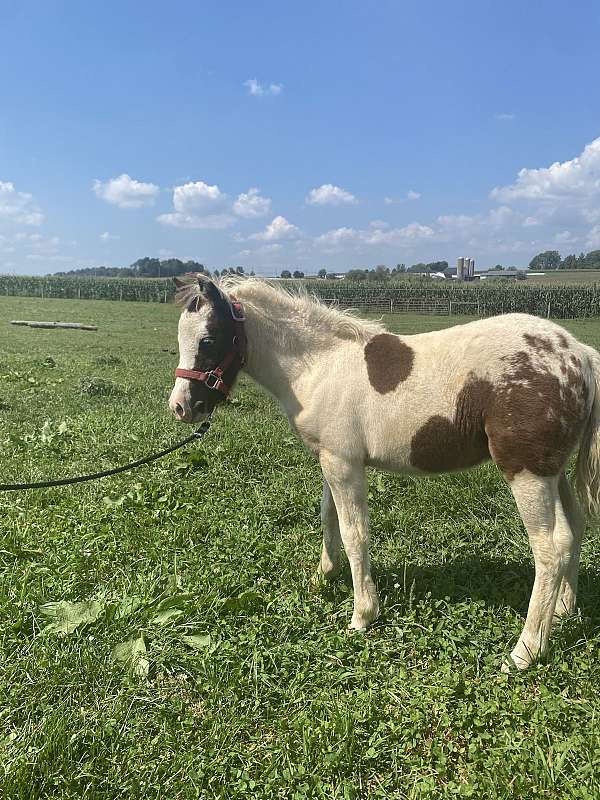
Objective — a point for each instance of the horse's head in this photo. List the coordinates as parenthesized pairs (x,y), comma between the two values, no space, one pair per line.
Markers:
(211,348)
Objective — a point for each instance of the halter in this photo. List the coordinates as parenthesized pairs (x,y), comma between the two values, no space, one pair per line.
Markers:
(213,378)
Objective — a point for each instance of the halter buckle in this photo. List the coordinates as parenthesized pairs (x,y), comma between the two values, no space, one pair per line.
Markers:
(213,381)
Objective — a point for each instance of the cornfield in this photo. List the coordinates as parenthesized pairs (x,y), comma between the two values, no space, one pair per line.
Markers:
(560,302)
(144,290)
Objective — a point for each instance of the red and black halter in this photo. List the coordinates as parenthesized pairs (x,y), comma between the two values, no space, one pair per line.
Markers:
(234,359)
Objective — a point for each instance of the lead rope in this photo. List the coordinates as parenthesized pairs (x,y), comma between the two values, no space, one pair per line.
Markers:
(198,434)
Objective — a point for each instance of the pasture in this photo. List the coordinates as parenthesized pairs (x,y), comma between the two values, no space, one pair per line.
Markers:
(207,662)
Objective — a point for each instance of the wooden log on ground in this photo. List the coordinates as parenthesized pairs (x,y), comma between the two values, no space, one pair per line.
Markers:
(35,324)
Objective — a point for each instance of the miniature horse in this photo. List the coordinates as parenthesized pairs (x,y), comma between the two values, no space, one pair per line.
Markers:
(515,389)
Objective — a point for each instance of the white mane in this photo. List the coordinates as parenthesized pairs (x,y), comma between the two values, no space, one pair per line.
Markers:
(298,309)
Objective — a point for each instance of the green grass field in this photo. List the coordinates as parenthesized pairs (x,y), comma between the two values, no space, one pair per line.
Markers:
(241,680)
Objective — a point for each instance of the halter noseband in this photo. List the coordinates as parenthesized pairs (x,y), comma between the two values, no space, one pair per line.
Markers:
(213,378)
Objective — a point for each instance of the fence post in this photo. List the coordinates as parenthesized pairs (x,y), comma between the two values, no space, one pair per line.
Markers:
(548,309)
(79,292)
(165,295)
(42,290)
(449,308)
(391,305)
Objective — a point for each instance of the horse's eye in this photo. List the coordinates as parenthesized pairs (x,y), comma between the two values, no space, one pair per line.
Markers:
(207,343)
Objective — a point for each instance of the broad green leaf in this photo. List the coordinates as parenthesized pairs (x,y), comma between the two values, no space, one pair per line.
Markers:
(66,617)
(133,651)
(198,641)
(166,615)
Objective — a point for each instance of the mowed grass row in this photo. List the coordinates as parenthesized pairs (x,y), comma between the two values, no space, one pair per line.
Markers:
(246,683)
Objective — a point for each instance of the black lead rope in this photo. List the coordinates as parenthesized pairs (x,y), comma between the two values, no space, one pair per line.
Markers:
(198,434)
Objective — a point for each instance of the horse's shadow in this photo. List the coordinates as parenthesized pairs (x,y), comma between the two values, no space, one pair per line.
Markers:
(495,581)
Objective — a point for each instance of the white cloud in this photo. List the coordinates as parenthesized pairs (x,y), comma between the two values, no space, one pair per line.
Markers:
(194,197)
(591,214)
(278,229)
(593,238)
(208,222)
(411,195)
(251,205)
(260,90)
(505,117)
(388,201)
(125,192)
(529,222)
(397,236)
(378,234)
(565,237)
(330,195)
(18,207)
(577,178)
(337,237)
(198,205)
(109,237)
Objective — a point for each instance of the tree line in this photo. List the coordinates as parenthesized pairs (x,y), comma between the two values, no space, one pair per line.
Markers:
(152,268)
(551,259)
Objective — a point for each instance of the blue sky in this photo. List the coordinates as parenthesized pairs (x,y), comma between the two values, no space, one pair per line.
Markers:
(297,134)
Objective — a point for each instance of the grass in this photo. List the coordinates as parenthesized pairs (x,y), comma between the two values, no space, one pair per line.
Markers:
(208,664)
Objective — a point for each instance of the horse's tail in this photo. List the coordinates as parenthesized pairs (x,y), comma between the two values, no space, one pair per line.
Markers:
(588,459)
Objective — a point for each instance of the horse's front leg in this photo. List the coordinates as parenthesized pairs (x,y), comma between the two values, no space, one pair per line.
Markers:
(332,543)
(347,482)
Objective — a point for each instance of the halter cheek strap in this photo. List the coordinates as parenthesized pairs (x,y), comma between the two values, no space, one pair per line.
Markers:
(213,378)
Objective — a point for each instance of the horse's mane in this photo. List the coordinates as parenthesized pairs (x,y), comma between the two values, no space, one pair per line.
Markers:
(300,307)
(279,304)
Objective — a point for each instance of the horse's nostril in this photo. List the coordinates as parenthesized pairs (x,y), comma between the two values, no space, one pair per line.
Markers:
(179,410)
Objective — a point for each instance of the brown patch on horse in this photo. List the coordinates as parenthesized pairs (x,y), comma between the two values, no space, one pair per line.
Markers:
(443,445)
(539,343)
(529,420)
(562,340)
(389,362)
(536,420)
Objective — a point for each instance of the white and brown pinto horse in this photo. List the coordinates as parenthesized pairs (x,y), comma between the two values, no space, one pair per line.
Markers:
(516,389)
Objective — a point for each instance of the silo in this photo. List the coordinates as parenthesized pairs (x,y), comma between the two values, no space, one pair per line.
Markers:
(472,267)
(460,267)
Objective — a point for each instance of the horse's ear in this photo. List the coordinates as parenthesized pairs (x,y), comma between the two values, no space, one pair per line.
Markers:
(211,292)
(179,283)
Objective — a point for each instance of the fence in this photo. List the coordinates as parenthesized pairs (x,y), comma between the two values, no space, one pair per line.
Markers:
(390,305)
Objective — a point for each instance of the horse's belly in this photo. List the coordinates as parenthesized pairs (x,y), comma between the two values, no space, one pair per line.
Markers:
(426,442)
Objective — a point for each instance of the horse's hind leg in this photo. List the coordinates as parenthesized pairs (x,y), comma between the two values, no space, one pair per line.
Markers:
(567,597)
(331,553)
(552,542)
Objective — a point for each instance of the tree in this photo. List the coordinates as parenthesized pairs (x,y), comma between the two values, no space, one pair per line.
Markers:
(216,273)
(322,273)
(592,260)
(298,274)
(357,275)
(285,273)
(252,273)
(239,270)
(570,262)
(549,259)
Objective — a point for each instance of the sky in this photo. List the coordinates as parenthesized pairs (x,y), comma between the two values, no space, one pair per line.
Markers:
(297,135)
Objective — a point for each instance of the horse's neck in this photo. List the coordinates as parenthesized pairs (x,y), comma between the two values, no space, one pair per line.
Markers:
(274,359)
(280,345)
